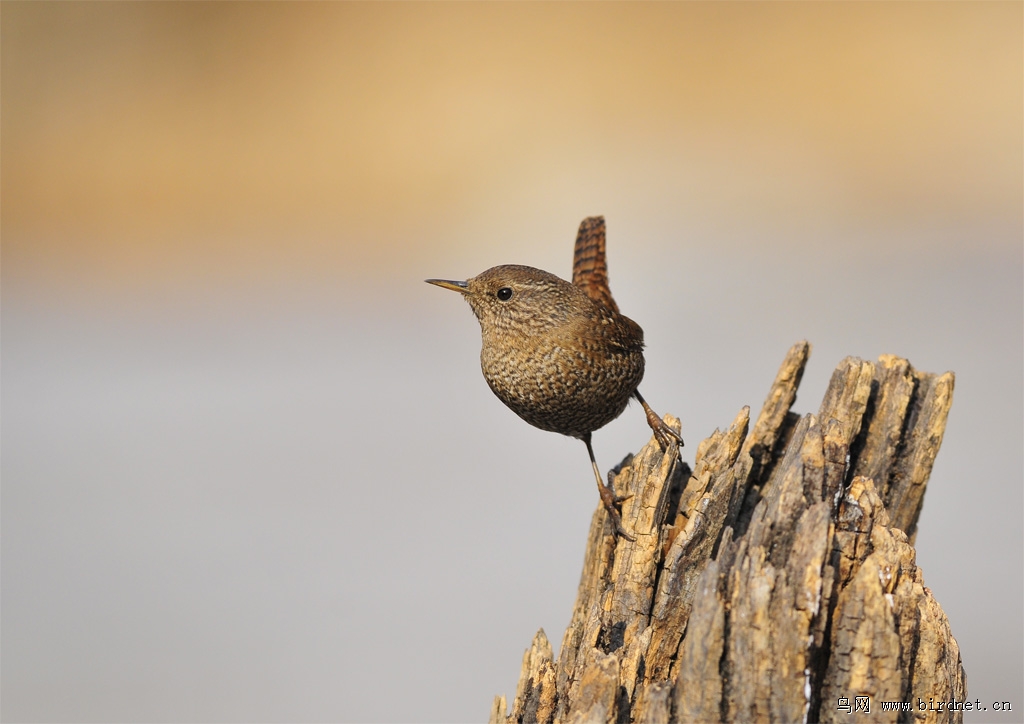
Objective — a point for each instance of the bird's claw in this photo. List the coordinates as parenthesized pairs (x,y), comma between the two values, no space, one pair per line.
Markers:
(665,435)
(610,500)
(619,530)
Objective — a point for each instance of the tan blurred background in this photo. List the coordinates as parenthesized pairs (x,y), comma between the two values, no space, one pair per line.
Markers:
(250,468)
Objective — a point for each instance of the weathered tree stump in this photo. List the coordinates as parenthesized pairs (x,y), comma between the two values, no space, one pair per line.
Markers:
(774,582)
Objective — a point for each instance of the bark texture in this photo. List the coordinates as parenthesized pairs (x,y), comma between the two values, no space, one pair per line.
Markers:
(774,582)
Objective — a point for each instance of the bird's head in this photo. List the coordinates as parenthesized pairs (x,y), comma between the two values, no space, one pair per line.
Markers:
(513,299)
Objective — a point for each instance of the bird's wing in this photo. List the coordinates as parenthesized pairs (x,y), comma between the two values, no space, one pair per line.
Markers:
(589,269)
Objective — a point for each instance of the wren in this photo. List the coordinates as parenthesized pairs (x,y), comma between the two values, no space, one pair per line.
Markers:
(560,355)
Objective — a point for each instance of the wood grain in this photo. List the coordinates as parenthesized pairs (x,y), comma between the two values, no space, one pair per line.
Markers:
(772,580)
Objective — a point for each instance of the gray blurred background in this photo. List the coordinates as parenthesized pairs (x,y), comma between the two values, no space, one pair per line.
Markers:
(250,469)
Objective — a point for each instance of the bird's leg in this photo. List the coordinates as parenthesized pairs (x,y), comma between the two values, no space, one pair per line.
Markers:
(607,495)
(664,434)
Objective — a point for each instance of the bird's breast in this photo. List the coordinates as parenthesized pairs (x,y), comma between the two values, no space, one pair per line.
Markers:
(569,383)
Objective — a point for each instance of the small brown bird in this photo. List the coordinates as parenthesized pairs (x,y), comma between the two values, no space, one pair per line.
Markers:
(559,354)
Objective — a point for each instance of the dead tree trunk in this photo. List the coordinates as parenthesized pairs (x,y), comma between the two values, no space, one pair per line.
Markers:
(776,582)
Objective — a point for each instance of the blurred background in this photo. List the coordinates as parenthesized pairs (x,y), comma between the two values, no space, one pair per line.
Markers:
(250,468)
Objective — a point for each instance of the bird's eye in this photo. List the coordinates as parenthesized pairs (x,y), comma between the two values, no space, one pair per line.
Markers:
(505,293)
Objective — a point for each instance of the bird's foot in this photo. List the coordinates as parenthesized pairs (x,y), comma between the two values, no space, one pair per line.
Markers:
(664,434)
(610,500)
(619,499)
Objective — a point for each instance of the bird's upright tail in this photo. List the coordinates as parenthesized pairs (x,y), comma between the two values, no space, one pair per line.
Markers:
(589,268)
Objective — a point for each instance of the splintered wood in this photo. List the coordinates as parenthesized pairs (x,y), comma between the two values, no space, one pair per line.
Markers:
(775,582)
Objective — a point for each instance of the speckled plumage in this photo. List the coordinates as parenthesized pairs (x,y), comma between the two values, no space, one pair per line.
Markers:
(560,360)
(560,354)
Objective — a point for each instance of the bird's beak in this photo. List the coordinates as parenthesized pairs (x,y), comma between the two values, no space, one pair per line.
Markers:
(460,287)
